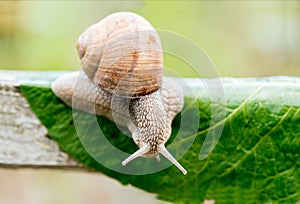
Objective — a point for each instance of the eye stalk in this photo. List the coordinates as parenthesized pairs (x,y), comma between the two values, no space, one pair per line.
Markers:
(140,152)
(145,149)
(167,154)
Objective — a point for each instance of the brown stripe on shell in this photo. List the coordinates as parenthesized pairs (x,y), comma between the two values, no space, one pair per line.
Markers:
(123,55)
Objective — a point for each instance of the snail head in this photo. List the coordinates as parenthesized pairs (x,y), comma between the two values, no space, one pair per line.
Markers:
(151,129)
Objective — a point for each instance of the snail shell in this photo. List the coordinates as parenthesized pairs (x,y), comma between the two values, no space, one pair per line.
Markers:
(122,54)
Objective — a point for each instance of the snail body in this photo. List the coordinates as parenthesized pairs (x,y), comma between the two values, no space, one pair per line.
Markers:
(122,59)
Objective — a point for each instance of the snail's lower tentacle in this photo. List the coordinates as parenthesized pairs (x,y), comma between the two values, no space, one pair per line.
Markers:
(157,158)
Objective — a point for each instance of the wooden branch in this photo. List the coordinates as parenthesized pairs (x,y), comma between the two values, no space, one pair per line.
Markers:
(23,139)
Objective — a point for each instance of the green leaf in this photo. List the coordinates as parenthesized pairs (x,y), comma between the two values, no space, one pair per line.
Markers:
(256,159)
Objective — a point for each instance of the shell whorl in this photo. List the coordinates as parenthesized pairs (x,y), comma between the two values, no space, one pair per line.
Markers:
(122,54)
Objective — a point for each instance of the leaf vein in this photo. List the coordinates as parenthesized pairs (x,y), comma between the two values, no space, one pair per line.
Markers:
(233,112)
(234,166)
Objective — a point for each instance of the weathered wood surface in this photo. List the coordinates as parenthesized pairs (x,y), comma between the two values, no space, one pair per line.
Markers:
(23,139)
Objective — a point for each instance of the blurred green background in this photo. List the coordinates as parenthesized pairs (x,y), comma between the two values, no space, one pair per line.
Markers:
(242,38)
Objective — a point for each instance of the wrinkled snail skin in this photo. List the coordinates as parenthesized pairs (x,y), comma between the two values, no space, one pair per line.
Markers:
(123,81)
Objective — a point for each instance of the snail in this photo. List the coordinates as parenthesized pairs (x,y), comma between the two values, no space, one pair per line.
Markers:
(122,59)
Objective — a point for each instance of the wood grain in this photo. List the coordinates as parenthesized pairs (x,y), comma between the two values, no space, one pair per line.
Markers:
(23,139)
